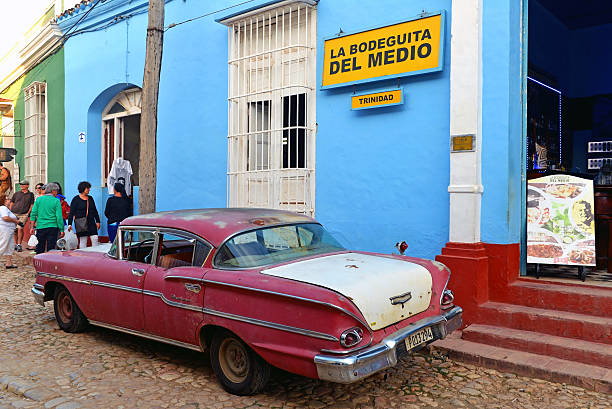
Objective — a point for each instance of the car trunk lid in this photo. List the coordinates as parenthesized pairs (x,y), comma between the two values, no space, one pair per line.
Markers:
(386,290)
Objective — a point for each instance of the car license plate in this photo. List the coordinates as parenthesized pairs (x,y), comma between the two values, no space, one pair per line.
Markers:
(419,338)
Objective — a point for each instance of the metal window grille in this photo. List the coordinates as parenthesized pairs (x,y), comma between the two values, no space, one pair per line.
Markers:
(271,113)
(35,150)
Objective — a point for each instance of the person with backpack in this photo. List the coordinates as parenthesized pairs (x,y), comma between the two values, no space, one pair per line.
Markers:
(63,203)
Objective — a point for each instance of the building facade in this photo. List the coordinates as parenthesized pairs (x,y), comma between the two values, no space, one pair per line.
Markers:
(32,79)
(245,118)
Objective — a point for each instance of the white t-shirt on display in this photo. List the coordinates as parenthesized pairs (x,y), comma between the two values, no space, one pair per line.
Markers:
(4,211)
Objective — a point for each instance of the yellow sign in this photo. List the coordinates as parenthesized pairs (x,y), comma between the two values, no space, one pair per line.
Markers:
(463,143)
(407,48)
(377,99)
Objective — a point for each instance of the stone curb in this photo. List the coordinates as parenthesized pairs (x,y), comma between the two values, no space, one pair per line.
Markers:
(26,389)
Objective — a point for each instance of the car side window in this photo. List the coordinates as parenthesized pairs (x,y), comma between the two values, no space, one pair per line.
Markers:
(138,245)
(113,250)
(180,251)
(201,252)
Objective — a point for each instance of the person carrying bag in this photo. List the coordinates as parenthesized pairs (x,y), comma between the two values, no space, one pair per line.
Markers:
(85,215)
(80,224)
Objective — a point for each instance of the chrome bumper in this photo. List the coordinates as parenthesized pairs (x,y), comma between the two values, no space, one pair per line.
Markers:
(38,291)
(361,364)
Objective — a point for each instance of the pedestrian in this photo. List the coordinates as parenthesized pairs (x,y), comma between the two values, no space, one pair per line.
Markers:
(118,207)
(86,219)
(46,217)
(39,190)
(6,182)
(8,221)
(63,202)
(21,206)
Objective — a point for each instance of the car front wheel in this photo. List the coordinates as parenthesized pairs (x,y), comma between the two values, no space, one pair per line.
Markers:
(67,312)
(237,367)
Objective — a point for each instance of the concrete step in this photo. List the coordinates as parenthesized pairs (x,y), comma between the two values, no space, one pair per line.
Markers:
(576,350)
(579,299)
(545,321)
(526,364)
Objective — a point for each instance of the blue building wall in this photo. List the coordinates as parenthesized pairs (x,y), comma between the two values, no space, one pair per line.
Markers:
(99,65)
(501,122)
(381,175)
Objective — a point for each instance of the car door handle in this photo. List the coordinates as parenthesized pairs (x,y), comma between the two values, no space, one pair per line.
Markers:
(138,271)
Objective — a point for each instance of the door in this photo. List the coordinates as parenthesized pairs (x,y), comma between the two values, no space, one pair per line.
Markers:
(119,291)
(174,292)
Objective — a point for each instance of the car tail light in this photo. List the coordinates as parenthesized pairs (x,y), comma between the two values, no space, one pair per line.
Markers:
(351,337)
(447,298)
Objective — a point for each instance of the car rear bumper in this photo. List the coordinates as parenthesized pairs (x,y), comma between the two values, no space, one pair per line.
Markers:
(38,291)
(353,367)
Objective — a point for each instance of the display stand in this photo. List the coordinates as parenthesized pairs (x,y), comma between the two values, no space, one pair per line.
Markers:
(578,249)
(581,272)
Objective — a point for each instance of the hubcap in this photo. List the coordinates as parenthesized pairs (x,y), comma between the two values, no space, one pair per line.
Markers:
(234,360)
(65,307)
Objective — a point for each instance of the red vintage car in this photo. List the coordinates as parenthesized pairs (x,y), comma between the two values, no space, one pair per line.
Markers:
(255,287)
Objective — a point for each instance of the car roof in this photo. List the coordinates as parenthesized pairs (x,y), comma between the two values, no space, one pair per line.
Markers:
(216,225)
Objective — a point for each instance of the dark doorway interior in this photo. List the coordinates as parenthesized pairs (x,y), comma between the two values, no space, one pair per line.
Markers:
(569,101)
(131,144)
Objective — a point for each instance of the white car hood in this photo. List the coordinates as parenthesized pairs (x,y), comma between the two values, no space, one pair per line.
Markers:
(369,281)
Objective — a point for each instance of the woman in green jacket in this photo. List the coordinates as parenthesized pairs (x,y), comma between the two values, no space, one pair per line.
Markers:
(47,218)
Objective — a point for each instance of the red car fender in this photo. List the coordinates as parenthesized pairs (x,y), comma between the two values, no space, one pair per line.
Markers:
(286,322)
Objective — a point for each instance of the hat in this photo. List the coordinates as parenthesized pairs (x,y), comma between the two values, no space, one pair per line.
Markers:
(24,182)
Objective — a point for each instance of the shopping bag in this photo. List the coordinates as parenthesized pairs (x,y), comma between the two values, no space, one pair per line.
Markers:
(71,239)
(33,241)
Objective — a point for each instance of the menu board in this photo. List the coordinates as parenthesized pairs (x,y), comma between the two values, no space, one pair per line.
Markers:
(560,221)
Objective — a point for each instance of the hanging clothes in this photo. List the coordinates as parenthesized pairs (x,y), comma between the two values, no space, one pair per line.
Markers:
(121,172)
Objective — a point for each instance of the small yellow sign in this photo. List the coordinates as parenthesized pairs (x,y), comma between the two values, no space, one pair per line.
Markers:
(377,99)
(407,48)
(463,143)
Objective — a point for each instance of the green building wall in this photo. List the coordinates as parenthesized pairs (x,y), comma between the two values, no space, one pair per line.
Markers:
(51,72)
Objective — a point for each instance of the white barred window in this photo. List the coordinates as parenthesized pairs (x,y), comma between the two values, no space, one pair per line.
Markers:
(35,150)
(271,141)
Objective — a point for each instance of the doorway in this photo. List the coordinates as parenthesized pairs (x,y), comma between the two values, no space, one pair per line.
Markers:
(568,140)
(121,132)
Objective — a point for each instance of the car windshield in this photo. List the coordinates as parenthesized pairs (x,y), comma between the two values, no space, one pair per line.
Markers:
(272,245)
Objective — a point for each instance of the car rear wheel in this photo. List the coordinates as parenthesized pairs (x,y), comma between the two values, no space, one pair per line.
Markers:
(237,367)
(67,312)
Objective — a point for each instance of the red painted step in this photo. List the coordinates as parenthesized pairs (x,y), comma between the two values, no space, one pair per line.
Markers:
(527,364)
(577,299)
(552,322)
(576,350)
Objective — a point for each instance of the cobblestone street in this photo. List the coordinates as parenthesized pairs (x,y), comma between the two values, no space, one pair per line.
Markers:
(41,366)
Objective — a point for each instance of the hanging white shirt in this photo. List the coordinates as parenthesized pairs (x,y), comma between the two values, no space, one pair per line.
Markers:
(121,172)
